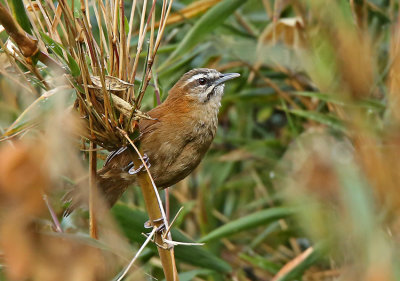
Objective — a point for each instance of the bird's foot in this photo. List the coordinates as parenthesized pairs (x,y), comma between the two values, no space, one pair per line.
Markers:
(167,242)
(159,226)
(131,167)
(150,224)
(113,154)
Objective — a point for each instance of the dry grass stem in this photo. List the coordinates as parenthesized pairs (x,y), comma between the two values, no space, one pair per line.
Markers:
(148,239)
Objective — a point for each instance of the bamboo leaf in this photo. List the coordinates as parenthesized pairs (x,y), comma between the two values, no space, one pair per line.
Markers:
(248,222)
(37,109)
(53,45)
(208,22)
(368,103)
(58,50)
(329,120)
(190,275)
(262,263)
(19,12)
(190,11)
(73,66)
(323,97)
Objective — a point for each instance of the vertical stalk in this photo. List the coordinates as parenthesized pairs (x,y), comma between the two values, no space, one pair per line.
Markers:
(122,43)
(153,209)
(92,190)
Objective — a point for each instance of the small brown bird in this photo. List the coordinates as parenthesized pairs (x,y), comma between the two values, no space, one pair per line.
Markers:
(176,140)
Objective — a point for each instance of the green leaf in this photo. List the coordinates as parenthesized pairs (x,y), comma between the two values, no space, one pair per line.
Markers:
(58,50)
(173,72)
(208,22)
(379,13)
(248,222)
(39,108)
(198,255)
(19,12)
(275,226)
(190,275)
(367,103)
(161,50)
(329,120)
(126,23)
(262,263)
(132,221)
(324,97)
(53,45)
(73,66)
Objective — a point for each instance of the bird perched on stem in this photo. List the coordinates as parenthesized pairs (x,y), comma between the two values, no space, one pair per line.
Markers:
(177,138)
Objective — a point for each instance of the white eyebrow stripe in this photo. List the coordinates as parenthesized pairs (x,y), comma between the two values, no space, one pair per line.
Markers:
(197,76)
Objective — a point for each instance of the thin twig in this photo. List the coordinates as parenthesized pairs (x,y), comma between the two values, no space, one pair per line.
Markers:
(14,64)
(103,43)
(293,263)
(128,41)
(142,35)
(176,243)
(92,190)
(176,216)
(151,59)
(137,254)
(123,65)
(53,214)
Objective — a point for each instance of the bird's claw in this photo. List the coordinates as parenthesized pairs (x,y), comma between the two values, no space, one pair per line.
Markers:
(113,154)
(131,166)
(150,224)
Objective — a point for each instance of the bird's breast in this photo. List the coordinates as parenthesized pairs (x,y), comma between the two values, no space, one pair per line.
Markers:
(178,146)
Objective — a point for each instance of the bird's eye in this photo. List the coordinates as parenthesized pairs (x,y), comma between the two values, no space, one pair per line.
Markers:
(202,81)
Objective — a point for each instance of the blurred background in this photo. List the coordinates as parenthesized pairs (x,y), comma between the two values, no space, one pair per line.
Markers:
(301,182)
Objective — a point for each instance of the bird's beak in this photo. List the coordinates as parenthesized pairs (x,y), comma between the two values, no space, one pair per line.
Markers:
(225,77)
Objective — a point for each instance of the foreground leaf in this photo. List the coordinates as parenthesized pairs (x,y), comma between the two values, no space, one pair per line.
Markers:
(38,109)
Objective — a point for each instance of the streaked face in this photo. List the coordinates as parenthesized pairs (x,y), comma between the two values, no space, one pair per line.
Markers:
(205,84)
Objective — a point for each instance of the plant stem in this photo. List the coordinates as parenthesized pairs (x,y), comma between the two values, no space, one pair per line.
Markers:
(155,211)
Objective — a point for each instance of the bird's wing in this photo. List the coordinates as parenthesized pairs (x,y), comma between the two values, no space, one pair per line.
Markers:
(120,159)
(148,125)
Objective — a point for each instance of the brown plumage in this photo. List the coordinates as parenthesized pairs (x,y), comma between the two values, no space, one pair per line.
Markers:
(175,142)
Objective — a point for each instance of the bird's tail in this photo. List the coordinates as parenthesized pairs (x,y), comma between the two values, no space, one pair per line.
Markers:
(110,190)
(112,181)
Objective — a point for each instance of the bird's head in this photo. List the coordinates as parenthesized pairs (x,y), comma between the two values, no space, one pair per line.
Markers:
(202,85)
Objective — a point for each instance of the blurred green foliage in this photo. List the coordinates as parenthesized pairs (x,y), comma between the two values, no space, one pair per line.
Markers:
(307,147)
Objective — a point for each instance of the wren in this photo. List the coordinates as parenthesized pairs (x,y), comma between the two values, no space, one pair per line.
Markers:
(177,138)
